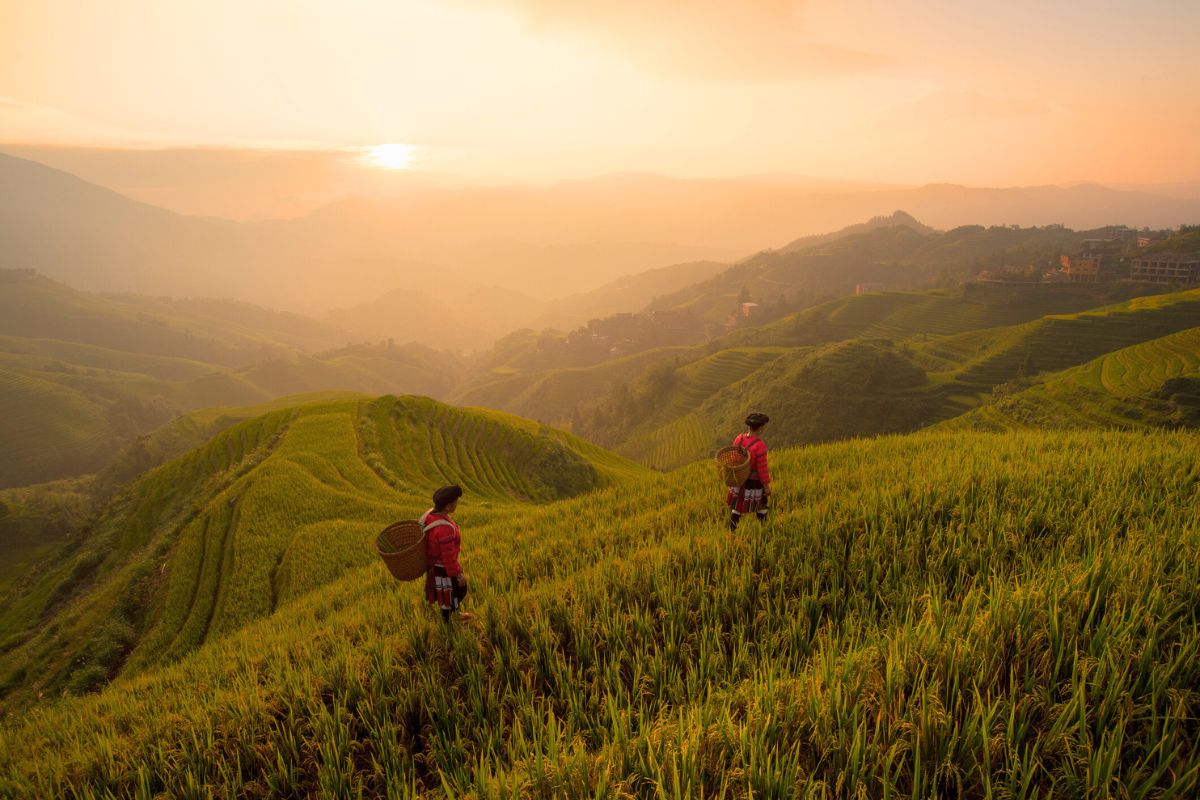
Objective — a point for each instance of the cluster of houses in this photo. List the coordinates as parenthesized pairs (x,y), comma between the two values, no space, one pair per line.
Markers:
(1106,260)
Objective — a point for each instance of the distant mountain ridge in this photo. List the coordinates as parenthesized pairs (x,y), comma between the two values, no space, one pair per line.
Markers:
(544,241)
(895,219)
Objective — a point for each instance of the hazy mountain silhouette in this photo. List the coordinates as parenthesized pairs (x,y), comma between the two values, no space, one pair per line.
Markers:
(896,218)
(449,320)
(627,293)
(541,241)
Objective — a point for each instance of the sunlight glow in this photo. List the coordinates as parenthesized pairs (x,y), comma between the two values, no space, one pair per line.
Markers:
(388,156)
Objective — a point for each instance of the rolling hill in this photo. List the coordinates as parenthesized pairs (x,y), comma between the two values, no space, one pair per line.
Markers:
(928,615)
(213,331)
(511,371)
(905,315)
(905,255)
(34,519)
(659,392)
(83,374)
(65,418)
(551,395)
(988,357)
(625,294)
(550,242)
(977,610)
(264,512)
(889,374)
(895,219)
(1152,384)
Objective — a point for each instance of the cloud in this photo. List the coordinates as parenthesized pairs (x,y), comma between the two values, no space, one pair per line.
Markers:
(763,40)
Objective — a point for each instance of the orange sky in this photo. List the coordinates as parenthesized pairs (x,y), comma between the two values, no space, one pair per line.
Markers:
(538,90)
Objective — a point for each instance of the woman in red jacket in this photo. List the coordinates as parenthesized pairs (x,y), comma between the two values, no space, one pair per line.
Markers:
(445,583)
(752,496)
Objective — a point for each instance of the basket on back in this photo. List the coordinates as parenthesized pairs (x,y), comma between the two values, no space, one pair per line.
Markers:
(401,545)
(733,464)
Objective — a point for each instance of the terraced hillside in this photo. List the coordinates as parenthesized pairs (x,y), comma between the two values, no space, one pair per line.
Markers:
(904,315)
(930,615)
(696,382)
(265,512)
(861,387)
(554,395)
(34,517)
(1153,384)
(71,406)
(986,358)
(676,431)
(865,386)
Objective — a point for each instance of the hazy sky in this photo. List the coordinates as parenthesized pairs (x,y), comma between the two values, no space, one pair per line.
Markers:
(992,93)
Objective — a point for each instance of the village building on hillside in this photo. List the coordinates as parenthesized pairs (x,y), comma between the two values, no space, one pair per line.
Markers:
(870,287)
(745,313)
(1168,268)
(1098,260)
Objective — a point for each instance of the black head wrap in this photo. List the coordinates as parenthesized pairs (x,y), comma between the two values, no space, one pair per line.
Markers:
(757,420)
(446,495)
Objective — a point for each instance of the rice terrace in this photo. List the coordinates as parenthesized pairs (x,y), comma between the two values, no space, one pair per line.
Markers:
(523,399)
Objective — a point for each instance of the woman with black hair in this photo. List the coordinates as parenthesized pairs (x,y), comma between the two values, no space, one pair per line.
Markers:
(751,496)
(445,583)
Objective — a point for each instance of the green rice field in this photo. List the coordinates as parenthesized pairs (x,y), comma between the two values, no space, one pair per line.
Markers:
(934,615)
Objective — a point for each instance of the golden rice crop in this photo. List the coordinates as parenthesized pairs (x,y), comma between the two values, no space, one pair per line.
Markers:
(932,615)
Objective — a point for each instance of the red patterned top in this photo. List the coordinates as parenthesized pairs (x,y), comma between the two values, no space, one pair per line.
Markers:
(442,543)
(758,456)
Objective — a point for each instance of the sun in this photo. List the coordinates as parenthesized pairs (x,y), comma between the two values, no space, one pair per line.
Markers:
(388,156)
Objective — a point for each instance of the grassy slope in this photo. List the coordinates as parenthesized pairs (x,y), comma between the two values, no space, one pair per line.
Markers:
(550,395)
(30,353)
(33,519)
(930,615)
(860,387)
(48,430)
(82,374)
(865,386)
(1116,390)
(676,432)
(212,331)
(1055,342)
(553,394)
(901,315)
(265,511)
(72,405)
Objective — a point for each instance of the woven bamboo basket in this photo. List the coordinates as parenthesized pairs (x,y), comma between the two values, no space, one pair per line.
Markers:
(401,545)
(733,465)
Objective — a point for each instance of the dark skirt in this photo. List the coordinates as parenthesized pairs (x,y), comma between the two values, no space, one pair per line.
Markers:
(440,588)
(747,498)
